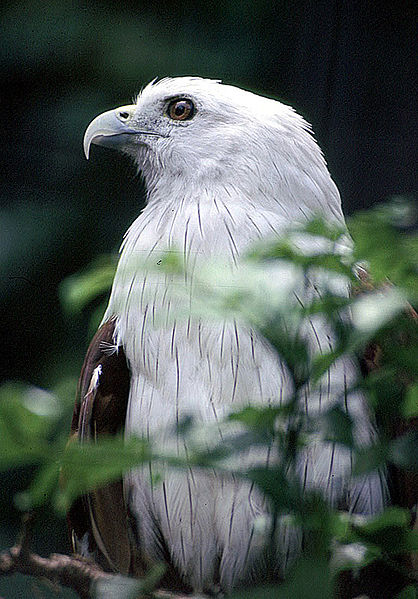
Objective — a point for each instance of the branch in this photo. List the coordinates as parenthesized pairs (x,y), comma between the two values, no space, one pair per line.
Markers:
(73,572)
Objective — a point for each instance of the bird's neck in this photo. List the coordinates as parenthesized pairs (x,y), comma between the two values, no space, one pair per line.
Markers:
(198,223)
(218,221)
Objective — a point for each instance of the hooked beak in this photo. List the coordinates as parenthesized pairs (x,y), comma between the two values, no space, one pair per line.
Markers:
(111,129)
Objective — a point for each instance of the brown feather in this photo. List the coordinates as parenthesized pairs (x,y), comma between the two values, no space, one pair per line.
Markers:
(100,410)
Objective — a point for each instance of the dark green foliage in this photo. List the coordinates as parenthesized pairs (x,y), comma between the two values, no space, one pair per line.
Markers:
(31,429)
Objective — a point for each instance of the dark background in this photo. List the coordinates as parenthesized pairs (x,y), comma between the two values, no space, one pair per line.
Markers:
(348,67)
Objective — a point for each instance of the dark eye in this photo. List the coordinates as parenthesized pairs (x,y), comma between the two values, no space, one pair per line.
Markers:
(181,109)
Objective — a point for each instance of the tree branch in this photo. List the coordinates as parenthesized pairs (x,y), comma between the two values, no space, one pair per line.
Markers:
(73,572)
(69,571)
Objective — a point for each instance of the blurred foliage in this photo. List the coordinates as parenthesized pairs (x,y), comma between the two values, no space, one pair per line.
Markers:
(31,420)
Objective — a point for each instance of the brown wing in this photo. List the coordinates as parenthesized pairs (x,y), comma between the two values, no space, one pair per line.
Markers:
(99,521)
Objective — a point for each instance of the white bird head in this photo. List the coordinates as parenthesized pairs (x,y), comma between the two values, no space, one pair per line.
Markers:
(197,133)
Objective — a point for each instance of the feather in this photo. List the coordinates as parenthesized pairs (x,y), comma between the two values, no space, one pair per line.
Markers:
(101,410)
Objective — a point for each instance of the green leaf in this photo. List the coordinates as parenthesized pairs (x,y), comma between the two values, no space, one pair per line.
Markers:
(323,362)
(390,531)
(409,592)
(275,483)
(260,418)
(80,289)
(383,240)
(410,403)
(260,592)
(285,249)
(291,347)
(373,311)
(337,426)
(309,577)
(369,458)
(385,394)
(27,416)
(403,451)
(319,226)
(41,489)
(340,525)
(299,581)
(328,304)
(392,516)
(88,465)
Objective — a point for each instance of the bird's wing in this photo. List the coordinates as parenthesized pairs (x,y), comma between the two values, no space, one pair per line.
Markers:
(98,521)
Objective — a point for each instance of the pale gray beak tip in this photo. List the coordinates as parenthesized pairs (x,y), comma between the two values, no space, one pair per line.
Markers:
(108,129)
(86,147)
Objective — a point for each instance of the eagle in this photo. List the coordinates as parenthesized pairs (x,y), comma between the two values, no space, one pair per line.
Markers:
(224,168)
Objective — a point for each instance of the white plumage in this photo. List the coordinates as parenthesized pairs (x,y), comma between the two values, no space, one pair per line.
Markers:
(239,168)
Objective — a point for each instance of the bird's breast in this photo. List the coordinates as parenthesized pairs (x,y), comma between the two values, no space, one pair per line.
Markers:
(183,360)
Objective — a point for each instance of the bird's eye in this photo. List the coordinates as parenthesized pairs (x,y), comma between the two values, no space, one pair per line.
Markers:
(181,109)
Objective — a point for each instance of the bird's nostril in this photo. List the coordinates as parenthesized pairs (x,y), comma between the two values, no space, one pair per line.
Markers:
(124,115)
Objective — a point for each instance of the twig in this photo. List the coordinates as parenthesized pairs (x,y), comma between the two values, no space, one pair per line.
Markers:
(73,572)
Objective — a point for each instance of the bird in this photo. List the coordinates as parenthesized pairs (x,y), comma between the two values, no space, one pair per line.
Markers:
(224,168)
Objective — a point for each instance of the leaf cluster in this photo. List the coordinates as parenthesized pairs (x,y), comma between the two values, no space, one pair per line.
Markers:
(31,420)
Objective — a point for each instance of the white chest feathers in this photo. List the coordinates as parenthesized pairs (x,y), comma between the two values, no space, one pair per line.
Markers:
(184,364)
(193,365)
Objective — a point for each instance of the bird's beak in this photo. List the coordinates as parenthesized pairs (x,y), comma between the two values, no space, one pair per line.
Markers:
(112,128)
